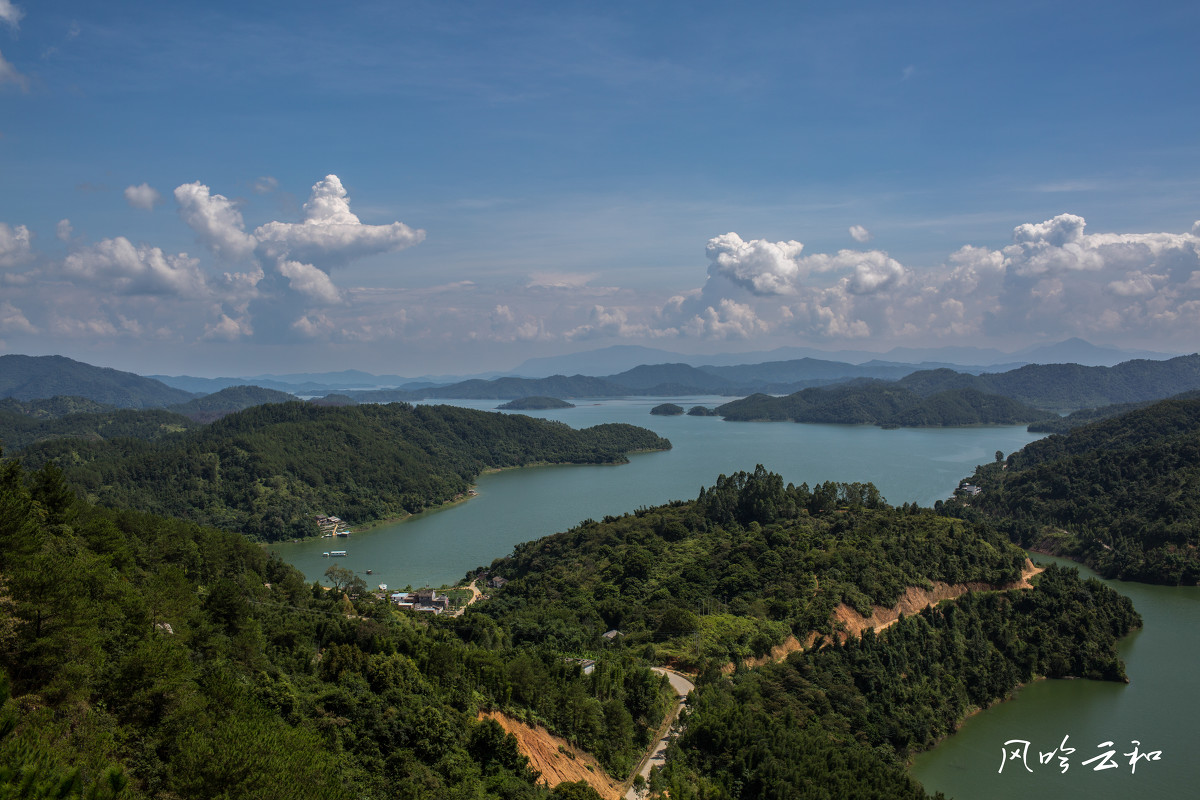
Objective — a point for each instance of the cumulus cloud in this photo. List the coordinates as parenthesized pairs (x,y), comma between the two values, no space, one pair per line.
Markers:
(63,230)
(727,320)
(1054,279)
(228,329)
(143,196)
(216,221)
(308,280)
(859,233)
(126,269)
(15,245)
(330,233)
(763,267)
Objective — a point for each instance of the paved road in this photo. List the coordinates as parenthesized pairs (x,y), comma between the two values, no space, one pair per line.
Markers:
(682,686)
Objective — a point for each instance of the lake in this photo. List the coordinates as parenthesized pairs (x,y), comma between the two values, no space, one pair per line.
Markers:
(1160,707)
(513,506)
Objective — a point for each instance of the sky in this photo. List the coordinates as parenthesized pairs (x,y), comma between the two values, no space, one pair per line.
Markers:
(450,187)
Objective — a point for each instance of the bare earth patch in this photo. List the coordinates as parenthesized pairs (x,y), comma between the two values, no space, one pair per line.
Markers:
(915,600)
(848,622)
(552,756)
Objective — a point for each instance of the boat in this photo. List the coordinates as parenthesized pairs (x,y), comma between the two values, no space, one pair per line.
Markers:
(325,554)
(337,553)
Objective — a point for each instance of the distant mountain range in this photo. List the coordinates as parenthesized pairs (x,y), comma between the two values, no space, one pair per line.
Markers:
(36,377)
(1062,386)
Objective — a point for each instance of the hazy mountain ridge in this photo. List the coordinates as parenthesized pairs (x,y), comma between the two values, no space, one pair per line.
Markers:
(36,377)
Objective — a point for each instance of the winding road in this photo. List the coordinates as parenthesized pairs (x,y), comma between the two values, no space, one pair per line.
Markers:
(657,755)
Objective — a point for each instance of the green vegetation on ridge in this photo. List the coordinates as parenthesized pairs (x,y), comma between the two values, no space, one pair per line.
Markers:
(268,470)
(885,404)
(1122,495)
(143,657)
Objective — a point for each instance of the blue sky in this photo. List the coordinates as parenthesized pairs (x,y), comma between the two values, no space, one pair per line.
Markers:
(216,188)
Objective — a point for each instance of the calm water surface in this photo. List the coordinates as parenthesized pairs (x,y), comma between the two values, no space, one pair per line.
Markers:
(1160,707)
(513,506)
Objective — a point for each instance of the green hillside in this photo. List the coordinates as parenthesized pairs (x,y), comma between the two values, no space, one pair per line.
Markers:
(226,401)
(1066,387)
(268,470)
(33,377)
(1122,494)
(885,404)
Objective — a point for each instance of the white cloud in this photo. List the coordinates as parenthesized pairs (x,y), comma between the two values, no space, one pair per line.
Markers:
(763,267)
(10,13)
(9,74)
(12,320)
(125,269)
(216,221)
(313,325)
(727,320)
(1055,279)
(143,196)
(859,233)
(874,272)
(308,280)
(15,245)
(228,329)
(63,230)
(330,233)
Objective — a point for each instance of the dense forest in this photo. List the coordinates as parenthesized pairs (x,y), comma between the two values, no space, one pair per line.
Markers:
(534,404)
(885,404)
(839,722)
(736,571)
(1122,494)
(19,429)
(1067,387)
(702,583)
(268,470)
(227,401)
(147,657)
(1084,416)
(150,657)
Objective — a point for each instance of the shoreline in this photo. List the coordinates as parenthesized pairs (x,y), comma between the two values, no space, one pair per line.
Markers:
(382,522)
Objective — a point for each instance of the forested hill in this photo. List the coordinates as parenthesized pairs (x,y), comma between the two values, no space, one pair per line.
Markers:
(752,561)
(32,377)
(226,401)
(886,404)
(18,430)
(1122,494)
(154,658)
(268,470)
(143,657)
(1066,387)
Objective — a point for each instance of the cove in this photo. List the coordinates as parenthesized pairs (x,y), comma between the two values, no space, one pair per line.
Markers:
(1160,707)
(439,547)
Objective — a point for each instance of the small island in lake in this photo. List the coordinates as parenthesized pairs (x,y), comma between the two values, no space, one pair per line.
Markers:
(702,411)
(534,404)
(667,410)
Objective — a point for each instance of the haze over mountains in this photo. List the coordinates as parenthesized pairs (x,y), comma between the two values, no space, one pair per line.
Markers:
(616,360)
